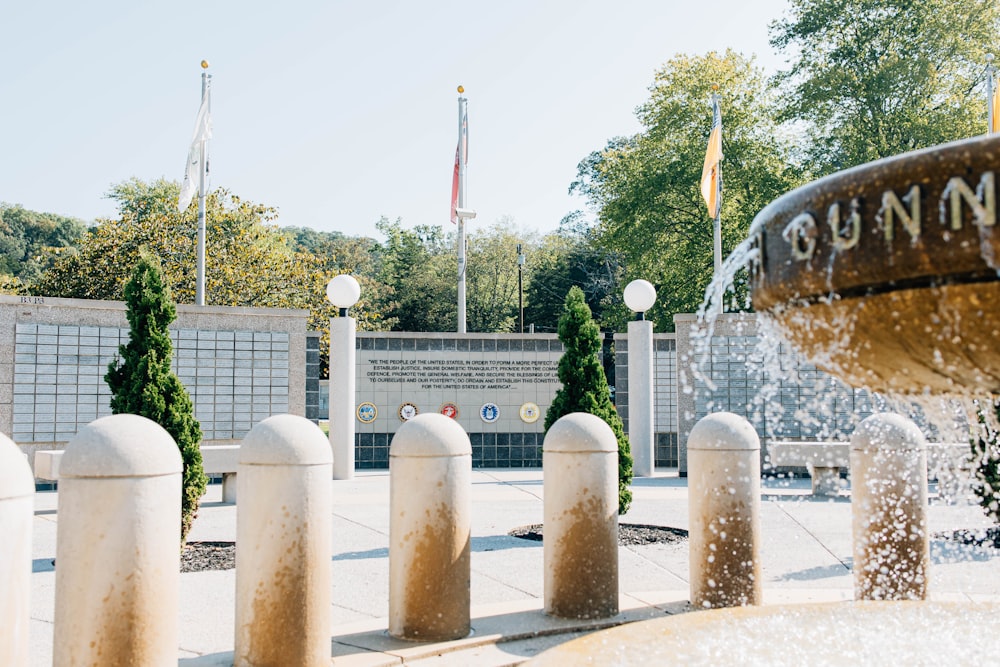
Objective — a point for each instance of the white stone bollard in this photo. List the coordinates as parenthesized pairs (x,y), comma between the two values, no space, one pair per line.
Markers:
(724,512)
(580,545)
(17,491)
(889,509)
(430,469)
(118,545)
(284,538)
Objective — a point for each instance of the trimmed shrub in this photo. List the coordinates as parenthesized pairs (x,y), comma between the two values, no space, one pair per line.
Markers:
(142,382)
(584,385)
(986,462)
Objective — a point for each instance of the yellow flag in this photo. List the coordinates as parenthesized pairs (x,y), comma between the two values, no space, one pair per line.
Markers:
(995,125)
(710,176)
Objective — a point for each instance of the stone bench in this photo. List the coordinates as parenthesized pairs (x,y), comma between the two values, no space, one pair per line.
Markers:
(825,459)
(222,460)
(216,460)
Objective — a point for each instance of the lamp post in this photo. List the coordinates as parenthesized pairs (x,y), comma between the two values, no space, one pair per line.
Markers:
(520,286)
(343,292)
(639,296)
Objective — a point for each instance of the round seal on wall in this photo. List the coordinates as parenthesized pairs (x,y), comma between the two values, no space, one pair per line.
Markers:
(407,411)
(366,412)
(529,413)
(449,410)
(489,413)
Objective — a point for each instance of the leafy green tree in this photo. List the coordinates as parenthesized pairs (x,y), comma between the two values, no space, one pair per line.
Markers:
(312,240)
(332,254)
(491,276)
(142,382)
(645,188)
(248,260)
(584,387)
(11,285)
(571,257)
(874,78)
(418,269)
(30,242)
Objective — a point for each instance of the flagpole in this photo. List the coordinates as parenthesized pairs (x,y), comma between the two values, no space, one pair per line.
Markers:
(717,223)
(989,92)
(461,206)
(199,297)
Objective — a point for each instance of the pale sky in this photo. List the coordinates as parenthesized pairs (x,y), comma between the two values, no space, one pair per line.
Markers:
(338,113)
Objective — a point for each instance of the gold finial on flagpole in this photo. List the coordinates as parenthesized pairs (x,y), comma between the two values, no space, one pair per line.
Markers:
(204,64)
(461,89)
(715,87)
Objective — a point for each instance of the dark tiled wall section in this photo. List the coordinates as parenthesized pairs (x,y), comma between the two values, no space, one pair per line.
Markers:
(489,450)
(666,454)
(312,376)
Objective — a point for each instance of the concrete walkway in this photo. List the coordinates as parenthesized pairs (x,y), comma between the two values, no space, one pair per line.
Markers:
(806,557)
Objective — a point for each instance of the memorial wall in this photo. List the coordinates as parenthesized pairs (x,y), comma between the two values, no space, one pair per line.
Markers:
(244,364)
(497,386)
(239,365)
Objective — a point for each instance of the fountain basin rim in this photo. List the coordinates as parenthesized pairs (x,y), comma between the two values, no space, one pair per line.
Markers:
(924,218)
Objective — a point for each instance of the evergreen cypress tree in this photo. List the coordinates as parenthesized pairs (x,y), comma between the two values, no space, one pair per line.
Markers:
(986,459)
(584,385)
(144,384)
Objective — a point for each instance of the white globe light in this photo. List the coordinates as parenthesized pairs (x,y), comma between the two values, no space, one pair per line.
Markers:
(343,291)
(640,295)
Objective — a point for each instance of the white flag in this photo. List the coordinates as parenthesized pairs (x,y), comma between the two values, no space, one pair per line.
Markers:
(202,133)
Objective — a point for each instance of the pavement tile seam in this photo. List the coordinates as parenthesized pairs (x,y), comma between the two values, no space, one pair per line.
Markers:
(807,531)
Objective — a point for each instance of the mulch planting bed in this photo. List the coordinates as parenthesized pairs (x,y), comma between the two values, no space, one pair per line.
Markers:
(629,534)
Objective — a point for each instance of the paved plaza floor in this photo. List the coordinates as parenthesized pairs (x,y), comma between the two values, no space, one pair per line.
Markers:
(805,555)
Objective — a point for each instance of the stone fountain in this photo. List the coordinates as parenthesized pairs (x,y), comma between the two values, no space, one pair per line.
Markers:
(887,276)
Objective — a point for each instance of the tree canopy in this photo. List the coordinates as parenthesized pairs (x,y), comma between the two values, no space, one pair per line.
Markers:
(248,262)
(31,242)
(571,258)
(871,78)
(645,188)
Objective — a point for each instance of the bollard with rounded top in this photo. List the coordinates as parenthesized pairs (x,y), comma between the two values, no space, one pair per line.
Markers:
(284,536)
(17,491)
(889,509)
(118,545)
(580,469)
(430,488)
(724,512)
